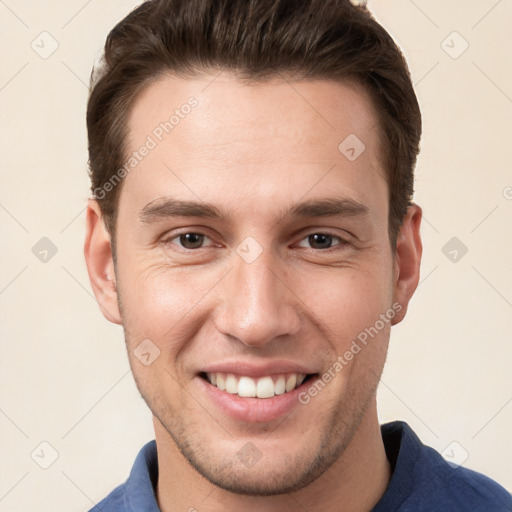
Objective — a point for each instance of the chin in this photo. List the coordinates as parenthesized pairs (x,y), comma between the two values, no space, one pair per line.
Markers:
(250,472)
(263,480)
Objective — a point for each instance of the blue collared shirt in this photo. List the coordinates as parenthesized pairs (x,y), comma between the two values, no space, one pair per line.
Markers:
(422,481)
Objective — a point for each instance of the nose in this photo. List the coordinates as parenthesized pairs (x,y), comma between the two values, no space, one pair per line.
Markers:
(257,302)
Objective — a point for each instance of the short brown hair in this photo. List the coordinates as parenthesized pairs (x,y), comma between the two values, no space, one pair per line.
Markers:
(257,40)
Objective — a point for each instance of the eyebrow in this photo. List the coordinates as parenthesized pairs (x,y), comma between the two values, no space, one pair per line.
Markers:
(163,208)
(167,207)
(328,207)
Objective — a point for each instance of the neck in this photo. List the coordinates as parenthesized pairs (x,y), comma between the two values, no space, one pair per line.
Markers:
(354,483)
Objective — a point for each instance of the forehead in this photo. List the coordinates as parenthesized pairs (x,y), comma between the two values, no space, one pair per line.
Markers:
(217,133)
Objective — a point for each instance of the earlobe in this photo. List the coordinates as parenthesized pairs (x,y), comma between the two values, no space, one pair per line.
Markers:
(100,264)
(407,260)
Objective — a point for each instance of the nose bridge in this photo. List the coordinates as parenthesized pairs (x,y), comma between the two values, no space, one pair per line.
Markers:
(257,305)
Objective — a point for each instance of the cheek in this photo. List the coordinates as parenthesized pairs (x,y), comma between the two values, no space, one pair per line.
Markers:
(158,311)
(158,302)
(346,300)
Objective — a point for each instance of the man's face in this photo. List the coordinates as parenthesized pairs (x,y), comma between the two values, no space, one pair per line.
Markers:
(268,290)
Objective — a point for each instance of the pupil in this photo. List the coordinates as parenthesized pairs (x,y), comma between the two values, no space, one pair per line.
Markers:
(320,241)
(191,240)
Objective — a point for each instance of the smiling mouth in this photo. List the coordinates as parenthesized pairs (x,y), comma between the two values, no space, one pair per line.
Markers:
(262,387)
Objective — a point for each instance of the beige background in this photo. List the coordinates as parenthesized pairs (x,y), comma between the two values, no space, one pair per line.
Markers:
(64,373)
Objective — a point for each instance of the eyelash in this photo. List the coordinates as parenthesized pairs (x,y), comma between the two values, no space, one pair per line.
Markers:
(341,241)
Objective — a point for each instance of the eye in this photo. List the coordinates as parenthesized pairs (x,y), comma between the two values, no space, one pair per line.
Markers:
(321,241)
(188,240)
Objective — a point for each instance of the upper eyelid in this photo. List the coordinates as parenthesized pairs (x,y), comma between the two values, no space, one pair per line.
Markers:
(167,239)
(324,233)
(342,240)
(175,233)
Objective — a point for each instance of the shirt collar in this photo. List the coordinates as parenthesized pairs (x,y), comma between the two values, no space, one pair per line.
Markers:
(141,484)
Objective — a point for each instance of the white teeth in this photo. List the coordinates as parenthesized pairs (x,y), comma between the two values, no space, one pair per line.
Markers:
(291,382)
(231,384)
(264,387)
(280,386)
(221,381)
(246,387)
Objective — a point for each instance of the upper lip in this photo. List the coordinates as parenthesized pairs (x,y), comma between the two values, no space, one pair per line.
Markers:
(257,370)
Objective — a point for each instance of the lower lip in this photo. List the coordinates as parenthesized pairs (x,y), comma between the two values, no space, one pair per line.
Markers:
(254,409)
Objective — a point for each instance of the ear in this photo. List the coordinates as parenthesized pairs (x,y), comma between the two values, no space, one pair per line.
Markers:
(407,260)
(100,264)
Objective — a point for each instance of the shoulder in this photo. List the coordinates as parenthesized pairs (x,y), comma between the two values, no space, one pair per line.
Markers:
(138,492)
(424,481)
(460,488)
(114,502)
